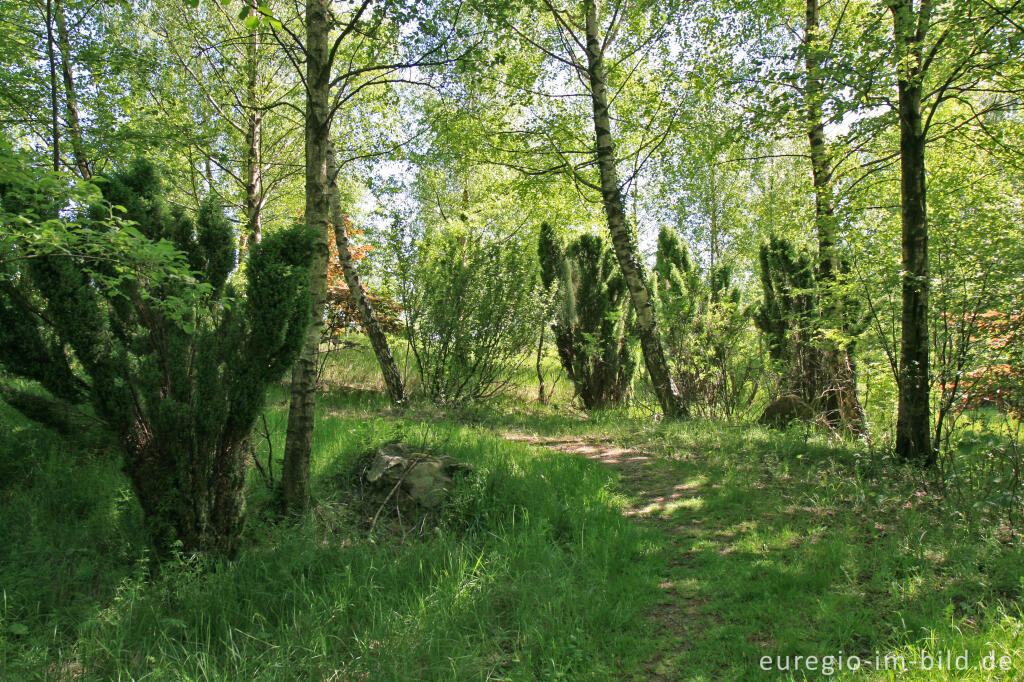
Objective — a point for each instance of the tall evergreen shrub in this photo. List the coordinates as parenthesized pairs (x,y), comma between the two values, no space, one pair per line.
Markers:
(592,327)
(174,369)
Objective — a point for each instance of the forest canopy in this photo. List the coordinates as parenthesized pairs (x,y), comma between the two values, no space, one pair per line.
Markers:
(235,232)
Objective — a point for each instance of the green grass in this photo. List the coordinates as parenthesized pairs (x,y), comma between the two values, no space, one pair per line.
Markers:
(789,545)
(533,573)
(778,544)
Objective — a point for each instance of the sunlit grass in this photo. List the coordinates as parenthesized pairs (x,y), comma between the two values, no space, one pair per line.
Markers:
(532,574)
(763,543)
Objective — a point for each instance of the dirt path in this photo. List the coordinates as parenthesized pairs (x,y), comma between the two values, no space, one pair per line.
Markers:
(654,495)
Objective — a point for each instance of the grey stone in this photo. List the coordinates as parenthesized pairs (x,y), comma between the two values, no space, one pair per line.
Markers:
(426,479)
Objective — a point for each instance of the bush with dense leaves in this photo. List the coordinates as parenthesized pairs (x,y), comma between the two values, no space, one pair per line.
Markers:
(167,358)
(713,357)
(592,327)
(471,308)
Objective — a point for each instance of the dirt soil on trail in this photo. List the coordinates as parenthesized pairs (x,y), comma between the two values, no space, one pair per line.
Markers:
(655,498)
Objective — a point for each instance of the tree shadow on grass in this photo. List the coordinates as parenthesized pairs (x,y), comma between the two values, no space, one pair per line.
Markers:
(547,581)
(784,553)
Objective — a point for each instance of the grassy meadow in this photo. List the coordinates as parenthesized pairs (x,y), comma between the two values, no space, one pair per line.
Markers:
(770,545)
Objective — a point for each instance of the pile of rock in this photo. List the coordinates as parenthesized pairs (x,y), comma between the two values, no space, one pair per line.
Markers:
(425,479)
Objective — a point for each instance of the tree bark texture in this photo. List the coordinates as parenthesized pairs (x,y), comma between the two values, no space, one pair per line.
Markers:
(367,317)
(541,396)
(253,202)
(302,405)
(913,433)
(54,110)
(622,242)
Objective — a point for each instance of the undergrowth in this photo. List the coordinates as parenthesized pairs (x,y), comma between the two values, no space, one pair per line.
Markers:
(772,546)
(531,574)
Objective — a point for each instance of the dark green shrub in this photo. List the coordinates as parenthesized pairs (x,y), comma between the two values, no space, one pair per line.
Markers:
(168,359)
(713,358)
(789,313)
(810,340)
(592,327)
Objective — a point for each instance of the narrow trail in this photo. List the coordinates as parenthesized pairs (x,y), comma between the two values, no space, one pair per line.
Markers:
(655,499)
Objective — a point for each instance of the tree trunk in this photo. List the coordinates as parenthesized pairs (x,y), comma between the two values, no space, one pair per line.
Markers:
(302,405)
(70,95)
(209,176)
(253,202)
(192,500)
(541,398)
(367,316)
(54,111)
(622,242)
(913,434)
(913,439)
(836,384)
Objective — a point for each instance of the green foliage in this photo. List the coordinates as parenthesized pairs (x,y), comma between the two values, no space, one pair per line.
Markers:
(109,247)
(675,276)
(174,373)
(712,355)
(549,251)
(797,327)
(789,316)
(592,327)
(789,311)
(471,307)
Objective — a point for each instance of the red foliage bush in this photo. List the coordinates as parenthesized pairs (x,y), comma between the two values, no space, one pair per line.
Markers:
(342,314)
(1000,382)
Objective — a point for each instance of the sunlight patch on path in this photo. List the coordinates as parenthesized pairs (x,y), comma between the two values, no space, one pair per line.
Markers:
(655,499)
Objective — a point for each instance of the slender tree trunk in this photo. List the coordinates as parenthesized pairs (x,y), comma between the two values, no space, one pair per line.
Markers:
(622,242)
(367,317)
(713,226)
(54,108)
(254,125)
(301,408)
(913,439)
(913,435)
(836,382)
(70,95)
(209,175)
(541,398)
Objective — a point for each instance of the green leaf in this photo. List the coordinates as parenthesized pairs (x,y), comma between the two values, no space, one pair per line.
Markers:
(17,629)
